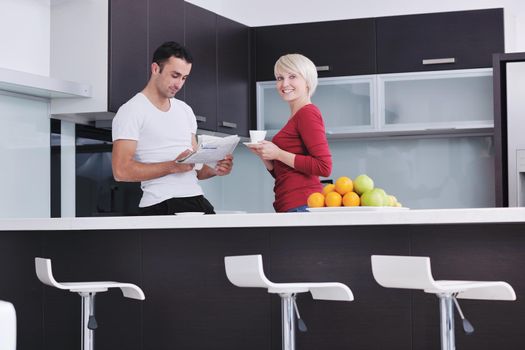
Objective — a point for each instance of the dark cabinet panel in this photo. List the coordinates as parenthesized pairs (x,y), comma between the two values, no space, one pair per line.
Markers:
(233,65)
(128,61)
(201,86)
(20,286)
(137,28)
(165,23)
(192,305)
(343,47)
(469,37)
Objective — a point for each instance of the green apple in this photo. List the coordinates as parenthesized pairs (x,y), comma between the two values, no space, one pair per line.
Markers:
(363,183)
(373,198)
(391,200)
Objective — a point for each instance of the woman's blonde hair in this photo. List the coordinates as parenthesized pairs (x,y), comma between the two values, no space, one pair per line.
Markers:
(298,64)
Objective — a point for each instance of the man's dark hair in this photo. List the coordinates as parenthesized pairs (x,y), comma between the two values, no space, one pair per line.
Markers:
(170,49)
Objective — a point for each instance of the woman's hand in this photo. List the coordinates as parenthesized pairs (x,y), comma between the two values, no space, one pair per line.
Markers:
(267,150)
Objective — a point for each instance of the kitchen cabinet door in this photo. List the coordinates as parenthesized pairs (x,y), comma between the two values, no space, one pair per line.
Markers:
(201,86)
(128,61)
(233,71)
(346,103)
(165,23)
(439,41)
(439,100)
(337,48)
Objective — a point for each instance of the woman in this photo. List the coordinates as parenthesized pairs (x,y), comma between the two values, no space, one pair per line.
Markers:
(299,152)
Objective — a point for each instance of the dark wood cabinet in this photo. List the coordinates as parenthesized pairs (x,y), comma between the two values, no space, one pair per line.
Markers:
(462,39)
(337,48)
(201,86)
(128,50)
(219,83)
(233,77)
(136,29)
(165,23)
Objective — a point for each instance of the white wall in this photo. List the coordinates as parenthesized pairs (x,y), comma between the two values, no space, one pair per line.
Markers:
(268,12)
(24,35)
(79,52)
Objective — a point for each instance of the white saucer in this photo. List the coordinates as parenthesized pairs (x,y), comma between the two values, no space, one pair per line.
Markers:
(251,143)
(189,213)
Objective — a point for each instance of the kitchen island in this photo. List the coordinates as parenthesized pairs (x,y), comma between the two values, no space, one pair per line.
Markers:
(178,262)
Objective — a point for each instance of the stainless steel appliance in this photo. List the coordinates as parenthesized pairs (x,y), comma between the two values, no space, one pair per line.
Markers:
(509,104)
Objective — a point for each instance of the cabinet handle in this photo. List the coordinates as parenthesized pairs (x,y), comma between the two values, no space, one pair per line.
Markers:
(322,68)
(200,119)
(228,125)
(439,61)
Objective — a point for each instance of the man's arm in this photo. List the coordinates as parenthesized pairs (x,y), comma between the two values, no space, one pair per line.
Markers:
(127,169)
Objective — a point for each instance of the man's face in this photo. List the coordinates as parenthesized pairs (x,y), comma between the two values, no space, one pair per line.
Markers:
(170,79)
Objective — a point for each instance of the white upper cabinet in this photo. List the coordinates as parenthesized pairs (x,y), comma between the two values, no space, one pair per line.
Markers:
(347,105)
(458,99)
(440,102)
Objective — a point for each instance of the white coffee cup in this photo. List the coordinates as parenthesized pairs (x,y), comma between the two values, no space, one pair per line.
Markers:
(257,135)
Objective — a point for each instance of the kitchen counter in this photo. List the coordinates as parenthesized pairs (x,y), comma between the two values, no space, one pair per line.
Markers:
(179,263)
(390,217)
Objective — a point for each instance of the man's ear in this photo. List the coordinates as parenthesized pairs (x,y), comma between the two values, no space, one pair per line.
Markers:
(155,68)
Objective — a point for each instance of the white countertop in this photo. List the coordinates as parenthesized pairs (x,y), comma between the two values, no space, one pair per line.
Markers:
(406,217)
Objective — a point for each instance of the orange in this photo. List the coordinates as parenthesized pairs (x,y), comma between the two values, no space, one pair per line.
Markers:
(351,199)
(328,188)
(315,200)
(343,185)
(333,199)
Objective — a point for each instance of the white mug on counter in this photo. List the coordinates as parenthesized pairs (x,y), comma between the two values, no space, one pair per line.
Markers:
(257,135)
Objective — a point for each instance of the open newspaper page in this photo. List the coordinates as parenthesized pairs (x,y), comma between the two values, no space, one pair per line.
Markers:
(211,149)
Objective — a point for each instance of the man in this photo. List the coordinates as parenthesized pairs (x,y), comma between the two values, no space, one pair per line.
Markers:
(152,130)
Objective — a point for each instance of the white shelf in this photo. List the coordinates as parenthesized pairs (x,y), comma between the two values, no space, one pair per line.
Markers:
(41,86)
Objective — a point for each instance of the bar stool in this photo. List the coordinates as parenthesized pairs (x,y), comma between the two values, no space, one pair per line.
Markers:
(7,326)
(87,291)
(247,271)
(413,272)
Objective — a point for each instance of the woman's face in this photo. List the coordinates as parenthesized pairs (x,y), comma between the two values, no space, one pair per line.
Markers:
(291,86)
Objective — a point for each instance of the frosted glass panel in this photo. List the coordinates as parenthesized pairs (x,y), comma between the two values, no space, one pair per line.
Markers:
(344,102)
(25,152)
(249,187)
(454,172)
(464,99)
(275,111)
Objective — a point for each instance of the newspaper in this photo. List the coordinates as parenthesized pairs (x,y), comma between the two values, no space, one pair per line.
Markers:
(211,149)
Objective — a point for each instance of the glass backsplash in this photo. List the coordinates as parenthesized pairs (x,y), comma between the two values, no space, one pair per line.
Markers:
(449,172)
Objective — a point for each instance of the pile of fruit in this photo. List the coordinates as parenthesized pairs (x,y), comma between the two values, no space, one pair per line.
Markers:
(348,193)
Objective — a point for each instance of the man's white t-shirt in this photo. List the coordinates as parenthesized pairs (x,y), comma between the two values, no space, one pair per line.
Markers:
(161,136)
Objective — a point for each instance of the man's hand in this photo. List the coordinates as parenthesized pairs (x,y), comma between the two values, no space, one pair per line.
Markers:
(224,167)
(182,167)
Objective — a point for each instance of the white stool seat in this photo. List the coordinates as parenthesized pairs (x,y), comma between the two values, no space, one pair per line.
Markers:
(414,272)
(7,326)
(87,292)
(478,290)
(247,271)
(44,273)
